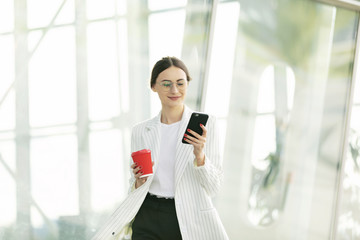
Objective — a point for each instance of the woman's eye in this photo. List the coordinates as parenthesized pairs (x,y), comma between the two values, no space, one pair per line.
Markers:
(180,84)
(167,85)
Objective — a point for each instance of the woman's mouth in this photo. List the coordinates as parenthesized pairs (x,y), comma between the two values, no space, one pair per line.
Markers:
(174,98)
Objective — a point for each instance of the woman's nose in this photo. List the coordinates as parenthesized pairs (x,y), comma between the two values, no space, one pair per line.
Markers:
(174,88)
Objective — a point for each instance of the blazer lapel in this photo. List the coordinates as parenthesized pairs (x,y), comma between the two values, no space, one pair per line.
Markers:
(152,138)
(182,150)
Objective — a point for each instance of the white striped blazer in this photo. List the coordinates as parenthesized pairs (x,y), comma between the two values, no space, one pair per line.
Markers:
(194,186)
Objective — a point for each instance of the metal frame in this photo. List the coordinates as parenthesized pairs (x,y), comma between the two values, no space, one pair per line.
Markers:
(22,130)
(45,30)
(348,4)
(196,48)
(205,81)
(82,124)
(138,42)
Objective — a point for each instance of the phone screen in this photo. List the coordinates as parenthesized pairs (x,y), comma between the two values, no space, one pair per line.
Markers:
(194,124)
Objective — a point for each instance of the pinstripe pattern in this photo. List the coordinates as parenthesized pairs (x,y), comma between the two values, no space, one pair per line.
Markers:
(194,186)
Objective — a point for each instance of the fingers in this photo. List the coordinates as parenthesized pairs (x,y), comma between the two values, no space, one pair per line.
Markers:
(204,130)
(194,140)
(195,134)
(137,174)
(136,170)
(197,139)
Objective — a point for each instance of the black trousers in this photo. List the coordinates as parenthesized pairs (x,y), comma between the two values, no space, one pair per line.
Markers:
(156,220)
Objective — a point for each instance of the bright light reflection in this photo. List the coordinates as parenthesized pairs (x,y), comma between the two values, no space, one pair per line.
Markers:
(266,95)
(67,13)
(7,184)
(158,4)
(100,9)
(53,174)
(290,83)
(7,109)
(104,100)
(6,13)
(357,91)
(7,112)
(107,172)
(52,84)
(38,17)
(221,64)
(6,63)
(124,65)
(264,140)
(121,6)
(33,39)
(355,119)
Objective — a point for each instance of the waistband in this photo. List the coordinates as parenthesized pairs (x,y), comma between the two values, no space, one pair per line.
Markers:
(159,198)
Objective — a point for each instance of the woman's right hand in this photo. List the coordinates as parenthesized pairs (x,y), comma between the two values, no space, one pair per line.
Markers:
(137,174)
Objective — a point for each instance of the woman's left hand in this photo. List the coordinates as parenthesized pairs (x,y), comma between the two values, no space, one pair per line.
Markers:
(198,141)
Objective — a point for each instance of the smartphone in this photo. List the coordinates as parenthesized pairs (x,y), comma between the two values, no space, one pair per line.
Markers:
(194,124)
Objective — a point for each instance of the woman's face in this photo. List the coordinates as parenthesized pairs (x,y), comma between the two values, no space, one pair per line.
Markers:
(171,85)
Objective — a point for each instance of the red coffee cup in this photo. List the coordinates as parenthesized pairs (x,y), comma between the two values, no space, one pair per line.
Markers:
(143,159)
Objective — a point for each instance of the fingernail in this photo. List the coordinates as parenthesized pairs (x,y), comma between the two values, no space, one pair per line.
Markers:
(188,130)
(185,135)
(140,167)
(201,124)
(184,138)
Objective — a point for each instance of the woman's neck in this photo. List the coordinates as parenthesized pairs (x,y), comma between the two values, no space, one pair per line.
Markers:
(171,115)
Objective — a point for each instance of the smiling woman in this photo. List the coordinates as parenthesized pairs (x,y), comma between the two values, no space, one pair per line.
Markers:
(169,79)
(171,203)
(174,90)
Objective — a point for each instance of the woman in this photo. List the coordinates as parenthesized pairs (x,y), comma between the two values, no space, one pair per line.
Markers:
(175,202)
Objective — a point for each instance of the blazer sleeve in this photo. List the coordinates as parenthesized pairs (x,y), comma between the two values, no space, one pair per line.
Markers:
(211,174)
(132,149)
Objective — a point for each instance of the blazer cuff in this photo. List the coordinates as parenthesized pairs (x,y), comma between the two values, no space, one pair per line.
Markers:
(202,168)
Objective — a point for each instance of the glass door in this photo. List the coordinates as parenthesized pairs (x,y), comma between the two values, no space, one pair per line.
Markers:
(284,113)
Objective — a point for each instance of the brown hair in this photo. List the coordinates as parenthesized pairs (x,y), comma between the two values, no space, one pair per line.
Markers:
(164,64)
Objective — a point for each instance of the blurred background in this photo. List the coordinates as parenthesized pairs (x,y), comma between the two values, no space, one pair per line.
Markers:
(281,76)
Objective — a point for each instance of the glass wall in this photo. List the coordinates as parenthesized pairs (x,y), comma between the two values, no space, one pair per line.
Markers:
(349,212)
(284,69)
(278,74)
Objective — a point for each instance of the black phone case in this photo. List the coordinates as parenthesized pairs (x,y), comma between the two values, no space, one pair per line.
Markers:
(194,124)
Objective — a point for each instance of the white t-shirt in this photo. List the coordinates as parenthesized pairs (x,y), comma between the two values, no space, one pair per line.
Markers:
(163,183)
